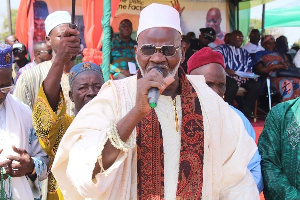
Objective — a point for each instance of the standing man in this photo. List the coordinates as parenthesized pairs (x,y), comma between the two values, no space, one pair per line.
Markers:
(29,83)
(122,51)
(11,40)
(210,64)
(237,59)
(213,20)
(119,148)
(42,53)
(252,46)
(19,52)
(21,156)
(280,151)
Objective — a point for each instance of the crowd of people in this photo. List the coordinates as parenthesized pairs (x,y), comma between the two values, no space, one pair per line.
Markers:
(59,121)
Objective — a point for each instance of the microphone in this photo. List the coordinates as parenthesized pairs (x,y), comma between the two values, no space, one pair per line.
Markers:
(153,93)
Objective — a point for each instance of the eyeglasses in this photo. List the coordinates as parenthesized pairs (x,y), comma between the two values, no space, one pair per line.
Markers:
(45,51)
(17,50)
(6,90)
(166,50)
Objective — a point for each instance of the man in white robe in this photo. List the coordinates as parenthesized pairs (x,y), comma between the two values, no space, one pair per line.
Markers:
(94,161)
(21,156)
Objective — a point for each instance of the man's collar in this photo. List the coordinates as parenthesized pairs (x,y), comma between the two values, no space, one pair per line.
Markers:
(254,44)
(120,40)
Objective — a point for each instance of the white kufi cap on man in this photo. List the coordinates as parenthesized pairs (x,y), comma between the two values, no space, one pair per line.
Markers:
(158,15)
(56,18)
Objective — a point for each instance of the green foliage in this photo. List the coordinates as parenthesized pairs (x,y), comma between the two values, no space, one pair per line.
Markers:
(5,29)
(255,24)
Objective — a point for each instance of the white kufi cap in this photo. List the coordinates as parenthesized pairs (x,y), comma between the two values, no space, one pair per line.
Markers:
(158,15)
(55,19)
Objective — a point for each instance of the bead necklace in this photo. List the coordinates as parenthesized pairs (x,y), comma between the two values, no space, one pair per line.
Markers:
(3,195)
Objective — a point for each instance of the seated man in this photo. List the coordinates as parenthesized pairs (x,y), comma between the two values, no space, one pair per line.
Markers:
(122,51)
(296,60)
(280,151)
(210,64)
(237,59)
(252,46)
(188,51)
(117,147)
(23,163)
(49,112)
(207,37)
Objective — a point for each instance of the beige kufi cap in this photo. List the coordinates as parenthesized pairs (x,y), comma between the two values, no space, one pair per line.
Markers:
(159,15)
(55,19)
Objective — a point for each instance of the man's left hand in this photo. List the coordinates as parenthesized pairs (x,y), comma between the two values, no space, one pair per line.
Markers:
(24,164)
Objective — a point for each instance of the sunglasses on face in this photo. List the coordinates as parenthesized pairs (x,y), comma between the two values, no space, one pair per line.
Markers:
(47,51)
(17,50)
(166,50)
(6,90)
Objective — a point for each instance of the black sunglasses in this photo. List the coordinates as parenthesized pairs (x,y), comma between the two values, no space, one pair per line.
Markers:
(17,50)
(166,50)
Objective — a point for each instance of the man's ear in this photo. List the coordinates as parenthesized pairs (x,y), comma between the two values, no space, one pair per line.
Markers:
(71,96)
(48,41)
(182,55)
(135,49)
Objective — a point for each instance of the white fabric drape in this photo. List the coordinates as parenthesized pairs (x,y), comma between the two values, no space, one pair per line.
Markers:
(227,148)
(15,130)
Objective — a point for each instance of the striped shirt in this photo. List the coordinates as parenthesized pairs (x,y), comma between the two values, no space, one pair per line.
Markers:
(237,59)
(27,66)
(29,83)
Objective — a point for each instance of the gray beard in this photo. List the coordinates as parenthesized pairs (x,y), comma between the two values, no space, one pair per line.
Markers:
(171,73)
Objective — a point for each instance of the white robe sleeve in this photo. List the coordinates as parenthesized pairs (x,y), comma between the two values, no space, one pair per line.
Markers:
(82,145)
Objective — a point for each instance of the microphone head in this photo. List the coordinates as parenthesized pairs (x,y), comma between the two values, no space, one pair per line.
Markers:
(158,68)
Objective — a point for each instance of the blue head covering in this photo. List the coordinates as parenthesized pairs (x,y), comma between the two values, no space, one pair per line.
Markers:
(5,56)
(266,38)
(82,67)
(40,9)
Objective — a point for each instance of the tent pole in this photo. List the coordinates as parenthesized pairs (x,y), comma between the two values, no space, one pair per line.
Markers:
(238,15)
(9,17)
(106,39)
(263,20)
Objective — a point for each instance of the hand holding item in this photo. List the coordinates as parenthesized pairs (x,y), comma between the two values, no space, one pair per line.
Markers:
(69,45)
(153,79)
(20,165)
(230,72)
(5,166)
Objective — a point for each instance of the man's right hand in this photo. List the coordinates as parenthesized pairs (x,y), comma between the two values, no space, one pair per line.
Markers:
(280,66)
(69,45)
(152,79)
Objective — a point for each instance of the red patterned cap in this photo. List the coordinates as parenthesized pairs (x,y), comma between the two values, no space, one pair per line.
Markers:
(203,57)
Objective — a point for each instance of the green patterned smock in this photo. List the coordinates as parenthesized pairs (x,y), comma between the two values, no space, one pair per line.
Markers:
(280,151)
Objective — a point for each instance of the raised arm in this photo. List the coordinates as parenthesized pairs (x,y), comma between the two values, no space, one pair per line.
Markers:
(127,124)
(68,47)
